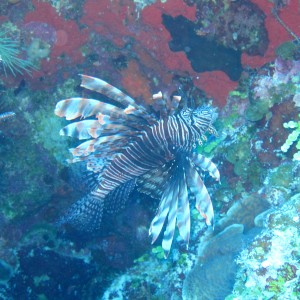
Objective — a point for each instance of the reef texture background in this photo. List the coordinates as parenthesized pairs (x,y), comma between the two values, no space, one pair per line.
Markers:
(243,57)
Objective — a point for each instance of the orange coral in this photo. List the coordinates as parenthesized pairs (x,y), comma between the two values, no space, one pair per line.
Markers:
(216,85)
(135,83)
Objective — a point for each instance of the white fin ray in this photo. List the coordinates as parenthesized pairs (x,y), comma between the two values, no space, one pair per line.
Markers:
(87,129)
(160,104)
(170,229)
(163,210)
(73,108)
(206,165)
(101,86)
(104,88)
(82,130)
(175,103)
(183,214)
(90,146)
(203,201)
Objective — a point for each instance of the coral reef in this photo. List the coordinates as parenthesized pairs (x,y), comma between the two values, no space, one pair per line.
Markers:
(253,251)
(58,274)
(9,56)
(243,212)
(277,34)
(140,27)
(65,40)
(144,32)
(269,90)
(292,138)
(240,26)
(27,148)
(204,54)
(208,272)
(269,267)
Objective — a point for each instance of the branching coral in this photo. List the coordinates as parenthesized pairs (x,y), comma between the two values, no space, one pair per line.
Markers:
(294,137)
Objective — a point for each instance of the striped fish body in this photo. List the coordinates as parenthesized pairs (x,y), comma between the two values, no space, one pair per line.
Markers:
(128,146)
(154,147)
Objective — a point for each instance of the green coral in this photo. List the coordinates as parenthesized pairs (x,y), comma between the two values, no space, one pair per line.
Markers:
(277,91)
(277,285)
(293,138)
(258,110)
(158,252)
(285,274)
(282,176)
(142,258)
(46,127)
(287,50)
(239,94)
(208,147)
(239,155)
(195,215)
(183,260)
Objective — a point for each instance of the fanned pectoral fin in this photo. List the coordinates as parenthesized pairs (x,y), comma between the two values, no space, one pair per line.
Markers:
(85,129)
(206,165)
(89,146)
(73,108)
(101,86)
(174,206)
(170,229)
(183,214)
(85,214)
(163,210)
(117,198)
(203,201)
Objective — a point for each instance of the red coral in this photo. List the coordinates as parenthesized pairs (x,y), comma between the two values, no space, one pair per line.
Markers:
(152,14)
(110,18)
(117,20)
(135,83)
(69,38)
(277,33)
(216,85)
(155,37)
(3,19)
(119,23)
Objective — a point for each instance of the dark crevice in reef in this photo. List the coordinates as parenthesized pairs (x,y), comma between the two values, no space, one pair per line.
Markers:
(204,54)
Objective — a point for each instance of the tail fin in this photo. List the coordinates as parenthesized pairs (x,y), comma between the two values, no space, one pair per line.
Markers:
(117,198)
(85,214)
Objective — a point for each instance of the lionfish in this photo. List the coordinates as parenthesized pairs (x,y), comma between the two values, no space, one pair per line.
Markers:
(129,146)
